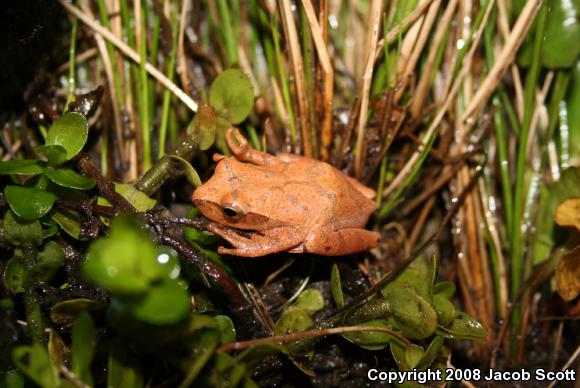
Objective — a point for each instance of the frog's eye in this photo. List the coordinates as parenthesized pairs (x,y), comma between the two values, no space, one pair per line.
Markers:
(231,210)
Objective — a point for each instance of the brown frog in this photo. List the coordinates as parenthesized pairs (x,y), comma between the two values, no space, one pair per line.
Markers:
(263,204)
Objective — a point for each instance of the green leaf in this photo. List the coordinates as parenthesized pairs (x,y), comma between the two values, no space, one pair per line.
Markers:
(49,227)
(224,371)
(140,201)
(29,203)
(418,277)
(227,328)
(220,135)
(573,110)
(35,363)
(232,95)
(412,314)
(254,355)
(48,262)
(463,327)
(153,307)
(14,274)
(371,340)
(68,310)
(203,351)
(124,262)
(431,353)
(562,32)
(68,220)
(444,309)
(445,288)
(406,356)
(310,301)
(203,127)
(550,196)
(71,132)
(21,167)
(168,261)
(294,321)
(12,379)
(123,369)
(58,352)
(84,339)
(68,178)
(21,232)
(335,286)
(190,173)
(296,317)
(54,153)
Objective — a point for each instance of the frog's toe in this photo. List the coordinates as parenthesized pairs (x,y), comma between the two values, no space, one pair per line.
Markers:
(240,252)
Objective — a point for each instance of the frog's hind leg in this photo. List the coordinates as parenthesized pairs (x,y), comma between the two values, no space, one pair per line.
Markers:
(242,150)
(364,190)
(340,242)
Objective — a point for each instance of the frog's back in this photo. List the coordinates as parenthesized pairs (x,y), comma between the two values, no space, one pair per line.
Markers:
(348,202)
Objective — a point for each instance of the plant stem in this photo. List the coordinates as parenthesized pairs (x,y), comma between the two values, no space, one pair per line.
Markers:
(72,63)
(519,200)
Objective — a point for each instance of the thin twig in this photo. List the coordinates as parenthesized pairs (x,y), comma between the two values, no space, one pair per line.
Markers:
(567,364)
(279,339)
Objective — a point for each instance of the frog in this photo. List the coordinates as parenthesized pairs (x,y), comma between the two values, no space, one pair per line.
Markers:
(263,204)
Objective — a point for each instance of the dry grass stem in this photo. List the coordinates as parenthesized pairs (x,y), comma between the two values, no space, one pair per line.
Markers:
(328,79)
(410,63)
(502,17)
(132,54)
(298,71)
(393,34)
(371,46)
(505,58)
(104,53)
(432,129)
(422,88)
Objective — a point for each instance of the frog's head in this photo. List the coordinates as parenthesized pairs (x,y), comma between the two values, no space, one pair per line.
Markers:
(226,198)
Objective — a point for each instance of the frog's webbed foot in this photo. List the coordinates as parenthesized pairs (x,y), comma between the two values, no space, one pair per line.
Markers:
(256,245)
(242,150)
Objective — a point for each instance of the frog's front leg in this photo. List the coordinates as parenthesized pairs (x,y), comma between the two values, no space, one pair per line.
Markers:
(339,242)
(277,240)
(242,150)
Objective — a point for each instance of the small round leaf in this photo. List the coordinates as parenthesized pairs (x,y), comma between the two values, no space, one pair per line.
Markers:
(21,167)
(68,178)
(20,232)
(71,132)
(14,274)
(154,308)
(54,153)
(29,203)
(190,173)
(203,127)
(232,94)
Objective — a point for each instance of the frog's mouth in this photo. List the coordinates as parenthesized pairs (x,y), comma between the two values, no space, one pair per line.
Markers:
(235,218)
